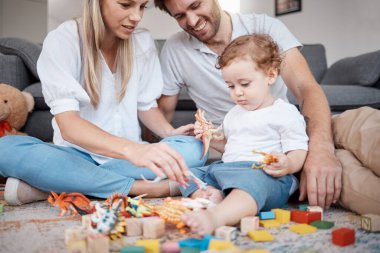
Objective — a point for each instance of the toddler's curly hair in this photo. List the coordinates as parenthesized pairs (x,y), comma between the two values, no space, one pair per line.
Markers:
(260,48)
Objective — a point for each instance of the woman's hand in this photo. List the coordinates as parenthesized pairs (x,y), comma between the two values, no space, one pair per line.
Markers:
(280,168)
(160,158)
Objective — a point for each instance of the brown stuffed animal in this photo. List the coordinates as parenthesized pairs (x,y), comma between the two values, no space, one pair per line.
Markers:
(14,108)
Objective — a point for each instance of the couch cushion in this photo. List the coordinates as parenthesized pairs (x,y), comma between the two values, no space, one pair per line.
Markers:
(360,70)
(13,71)
(315,55)
(27,51)
(345,97)
(36,91)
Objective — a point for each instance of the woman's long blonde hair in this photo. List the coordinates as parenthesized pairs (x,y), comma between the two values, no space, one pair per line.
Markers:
(93,32)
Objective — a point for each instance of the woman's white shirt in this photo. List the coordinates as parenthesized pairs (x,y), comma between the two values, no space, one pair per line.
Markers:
(60,69)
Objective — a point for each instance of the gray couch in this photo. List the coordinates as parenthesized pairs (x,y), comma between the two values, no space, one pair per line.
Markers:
(349,83)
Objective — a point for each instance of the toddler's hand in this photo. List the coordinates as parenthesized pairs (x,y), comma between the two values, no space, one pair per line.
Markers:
(280,168)
(200,129)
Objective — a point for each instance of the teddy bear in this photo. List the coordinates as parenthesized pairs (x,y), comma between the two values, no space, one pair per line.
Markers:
(14,108)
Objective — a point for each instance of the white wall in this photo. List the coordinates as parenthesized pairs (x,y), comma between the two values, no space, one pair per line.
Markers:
(23,19)
(344,27)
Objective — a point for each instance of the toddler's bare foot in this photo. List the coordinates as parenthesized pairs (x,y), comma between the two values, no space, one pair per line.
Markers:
(211,193)
(201,222)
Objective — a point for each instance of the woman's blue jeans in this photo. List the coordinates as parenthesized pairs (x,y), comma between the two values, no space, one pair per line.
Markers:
(64,169)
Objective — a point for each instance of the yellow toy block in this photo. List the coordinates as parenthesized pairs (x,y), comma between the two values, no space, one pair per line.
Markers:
(269,223)
(257,251)
(282,216)
(220,245)
(303,229)
(79,246)
(150,246)
(260,236)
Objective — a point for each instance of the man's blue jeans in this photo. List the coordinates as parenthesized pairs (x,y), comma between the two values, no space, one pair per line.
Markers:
(64,169)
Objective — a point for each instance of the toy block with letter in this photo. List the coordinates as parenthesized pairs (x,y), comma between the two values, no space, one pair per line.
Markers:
(370,222)
(226,233)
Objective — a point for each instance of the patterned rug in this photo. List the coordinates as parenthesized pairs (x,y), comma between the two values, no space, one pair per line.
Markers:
(37,228)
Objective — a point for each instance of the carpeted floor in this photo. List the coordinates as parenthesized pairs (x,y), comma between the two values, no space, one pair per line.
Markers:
(36,227)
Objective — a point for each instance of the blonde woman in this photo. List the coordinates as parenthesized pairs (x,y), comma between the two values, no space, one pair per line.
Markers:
(100,75)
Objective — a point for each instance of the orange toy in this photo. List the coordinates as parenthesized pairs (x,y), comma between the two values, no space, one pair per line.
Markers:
(268,159)
(71,202)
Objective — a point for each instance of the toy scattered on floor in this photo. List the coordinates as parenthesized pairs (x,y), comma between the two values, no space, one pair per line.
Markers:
(105,218)
(260,236)
(1,208)
(266,215)
(227,233)
(249,223)
(370,222)
(321,224)
(71,202)
(303,229)
(315,209)
(343,236)
(268,159)
(209,132)
(282,216)
(153,228)
(305,216)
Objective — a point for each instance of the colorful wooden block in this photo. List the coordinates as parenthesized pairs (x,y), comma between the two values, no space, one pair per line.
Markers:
(303,229)
(191,243)
(206,242)
(267,215)
(305,217)
(220,245)
(150,246)
(260,236)
(134,226)
(316,209)
(79,246)
(189,250)
(302,207)
(98,243)
(226,233)
(170,247)
(249,223)
(75,234)
(370,222)
(133,249)
(343,236)
(270,223)
(86,222)
(153,228)
(321,224)
(282,216)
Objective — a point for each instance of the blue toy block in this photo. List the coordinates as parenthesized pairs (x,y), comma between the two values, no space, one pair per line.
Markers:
(267,215)
(206,241)
(191,243)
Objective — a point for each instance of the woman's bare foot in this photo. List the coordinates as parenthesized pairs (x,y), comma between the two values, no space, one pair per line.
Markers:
(201,222)
(211,193)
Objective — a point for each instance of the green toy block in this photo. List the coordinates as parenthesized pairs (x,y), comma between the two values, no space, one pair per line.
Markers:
(322,224)
(1,208)
(133,249)
(303,207)
(189,250)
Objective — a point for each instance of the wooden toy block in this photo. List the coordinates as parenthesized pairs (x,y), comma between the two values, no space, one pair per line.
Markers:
(370,222)
(321,224)
(226,233)
(170,247)
(302,207)
(249,223)
(220,245)
(305,217)
(75,234)
(191,243)
(303,229)
(269,223)
(150,246)
(134,226)
(206,242)
(86,222)
(260,236)
(153,228)
(98,243)
(189,250)
(343,236)
(79,246)
(282,216)
(133,249)
(266,215)
(316,209)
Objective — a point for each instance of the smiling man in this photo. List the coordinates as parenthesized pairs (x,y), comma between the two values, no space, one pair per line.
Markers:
(188,61)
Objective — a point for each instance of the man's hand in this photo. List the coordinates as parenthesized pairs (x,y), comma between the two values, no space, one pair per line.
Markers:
(183,130)
(321,179)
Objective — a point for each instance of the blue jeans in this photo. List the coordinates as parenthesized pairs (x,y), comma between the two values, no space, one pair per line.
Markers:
(268,192)
(65,169)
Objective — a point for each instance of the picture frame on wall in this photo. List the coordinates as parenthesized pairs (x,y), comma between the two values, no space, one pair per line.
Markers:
(283,7)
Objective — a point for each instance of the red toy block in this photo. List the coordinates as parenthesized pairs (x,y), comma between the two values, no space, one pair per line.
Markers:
(343,236)
(304,217)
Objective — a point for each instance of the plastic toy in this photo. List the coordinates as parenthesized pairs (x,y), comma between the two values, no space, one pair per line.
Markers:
(71,202)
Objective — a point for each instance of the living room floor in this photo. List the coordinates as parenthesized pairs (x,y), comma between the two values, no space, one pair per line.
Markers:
(36,227)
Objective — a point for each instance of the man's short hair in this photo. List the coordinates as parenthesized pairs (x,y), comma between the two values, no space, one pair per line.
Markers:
(160,4)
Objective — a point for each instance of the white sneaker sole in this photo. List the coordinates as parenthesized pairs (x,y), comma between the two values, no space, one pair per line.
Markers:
(10,192)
